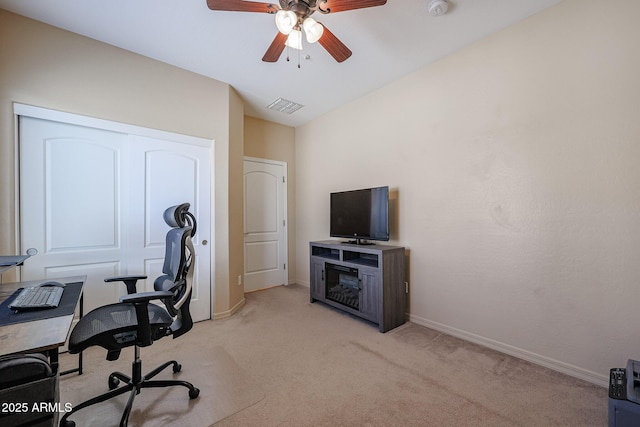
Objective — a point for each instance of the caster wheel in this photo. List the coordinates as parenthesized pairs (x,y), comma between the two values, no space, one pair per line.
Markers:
(176,368)
(113,382)
(194,393)
(68,423)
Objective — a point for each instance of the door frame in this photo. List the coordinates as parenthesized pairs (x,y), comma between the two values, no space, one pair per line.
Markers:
(284,209)
(92,122)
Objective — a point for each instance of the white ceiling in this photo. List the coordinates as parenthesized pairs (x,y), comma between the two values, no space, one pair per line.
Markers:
(387,41)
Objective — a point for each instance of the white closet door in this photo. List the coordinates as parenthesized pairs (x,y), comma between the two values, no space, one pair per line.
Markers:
(166,177)
(71,209)
(91,203)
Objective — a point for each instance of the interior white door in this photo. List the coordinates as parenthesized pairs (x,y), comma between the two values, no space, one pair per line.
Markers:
(265,251)
(91,203)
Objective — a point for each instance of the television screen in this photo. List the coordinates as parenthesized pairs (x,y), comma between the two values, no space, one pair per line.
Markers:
(360,214)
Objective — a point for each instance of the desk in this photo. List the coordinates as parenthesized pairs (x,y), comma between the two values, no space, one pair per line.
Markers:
(45,335)
(9,262)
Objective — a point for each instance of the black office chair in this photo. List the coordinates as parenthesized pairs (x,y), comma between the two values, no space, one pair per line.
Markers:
(27,380)
(135,322)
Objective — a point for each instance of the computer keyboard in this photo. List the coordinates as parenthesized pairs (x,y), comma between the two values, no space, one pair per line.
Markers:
(35,297)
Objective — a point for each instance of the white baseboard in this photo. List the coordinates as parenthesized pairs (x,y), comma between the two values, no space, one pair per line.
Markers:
(538,359)
(231,312)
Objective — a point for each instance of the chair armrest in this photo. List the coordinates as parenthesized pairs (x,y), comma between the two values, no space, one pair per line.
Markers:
(145,296)
(140,302)
(123,278)
(129,281)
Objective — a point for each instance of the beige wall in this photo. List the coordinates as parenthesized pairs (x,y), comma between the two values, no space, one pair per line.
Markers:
(236,200)
(514,165)
(272,141)
(51,68)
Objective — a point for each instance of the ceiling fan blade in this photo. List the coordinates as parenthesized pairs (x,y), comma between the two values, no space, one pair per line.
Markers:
(342,5)
(241,6)
(275,50)
(335,47)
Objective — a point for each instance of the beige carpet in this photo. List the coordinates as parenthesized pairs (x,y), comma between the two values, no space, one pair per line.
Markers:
(282,361)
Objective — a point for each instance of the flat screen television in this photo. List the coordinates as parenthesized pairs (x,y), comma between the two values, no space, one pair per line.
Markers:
(360,214)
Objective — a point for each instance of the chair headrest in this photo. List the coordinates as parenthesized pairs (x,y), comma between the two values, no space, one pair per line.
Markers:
(178,216)
(175,215)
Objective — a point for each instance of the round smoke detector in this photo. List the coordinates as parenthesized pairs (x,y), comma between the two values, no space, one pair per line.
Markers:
(438,7)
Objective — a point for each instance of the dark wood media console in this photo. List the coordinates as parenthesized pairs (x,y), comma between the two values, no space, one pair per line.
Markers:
(364,280)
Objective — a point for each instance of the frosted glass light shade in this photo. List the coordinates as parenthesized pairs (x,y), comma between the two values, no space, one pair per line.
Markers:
(312,29)
(295,39)
(285,21)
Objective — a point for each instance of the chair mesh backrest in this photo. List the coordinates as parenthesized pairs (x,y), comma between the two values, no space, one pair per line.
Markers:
(176,253)
(178,265)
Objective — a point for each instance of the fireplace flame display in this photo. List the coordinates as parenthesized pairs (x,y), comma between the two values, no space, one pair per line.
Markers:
(343,285)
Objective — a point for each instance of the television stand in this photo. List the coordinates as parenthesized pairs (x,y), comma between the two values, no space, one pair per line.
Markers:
(366,281)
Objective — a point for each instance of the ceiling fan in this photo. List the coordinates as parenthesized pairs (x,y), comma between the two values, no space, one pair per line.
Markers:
(293,17)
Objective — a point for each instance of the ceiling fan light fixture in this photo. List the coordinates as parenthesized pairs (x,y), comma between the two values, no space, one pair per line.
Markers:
(285,21)
(295,39)
(312,29)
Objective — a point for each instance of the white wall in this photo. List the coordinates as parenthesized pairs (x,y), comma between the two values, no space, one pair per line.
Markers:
(514,165)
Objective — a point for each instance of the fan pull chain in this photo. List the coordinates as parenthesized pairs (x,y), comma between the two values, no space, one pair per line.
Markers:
(299,53)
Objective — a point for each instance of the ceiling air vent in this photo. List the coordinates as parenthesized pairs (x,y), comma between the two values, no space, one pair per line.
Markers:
(285,106)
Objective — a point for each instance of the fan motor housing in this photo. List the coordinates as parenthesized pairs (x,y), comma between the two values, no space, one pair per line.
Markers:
(303,8)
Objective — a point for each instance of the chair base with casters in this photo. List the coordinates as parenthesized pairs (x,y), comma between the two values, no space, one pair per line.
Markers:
(134,385)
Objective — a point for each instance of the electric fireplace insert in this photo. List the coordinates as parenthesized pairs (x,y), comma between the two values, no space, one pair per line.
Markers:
(343,285)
